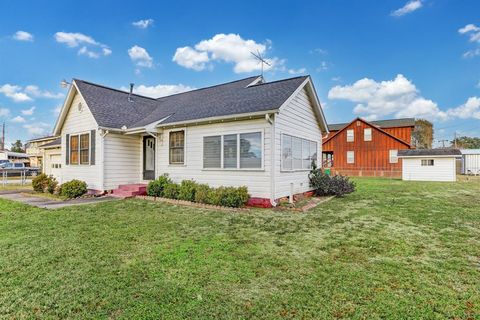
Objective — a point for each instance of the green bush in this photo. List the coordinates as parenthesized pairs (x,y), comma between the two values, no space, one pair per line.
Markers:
(44,183)
(171,190)
(325,185)
(231,196)
(73,189)
(52,185)
(202,193)
(187,190)
(155,187)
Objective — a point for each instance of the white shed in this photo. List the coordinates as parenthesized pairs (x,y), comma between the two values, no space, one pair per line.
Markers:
(471,161)
(429,164)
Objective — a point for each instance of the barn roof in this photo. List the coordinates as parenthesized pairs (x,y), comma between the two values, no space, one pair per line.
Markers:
(428,152)
(388,123)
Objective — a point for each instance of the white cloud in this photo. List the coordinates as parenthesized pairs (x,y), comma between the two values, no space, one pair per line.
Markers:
(324,65)
(190,58)
(470,109)
(23,36)
(143,24)
(140,57)
(18,119)
(297,71)
(158,91)
(4,112)
(319,51)
(474,36)
(409,7)
(89,47)
(478,84)
(230,48)
(28,112)
(37,128)
(57,109)
(14,92)
(35,91)
(398,97)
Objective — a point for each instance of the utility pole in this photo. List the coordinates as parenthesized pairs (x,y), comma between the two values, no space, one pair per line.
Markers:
(455,139)
(2,143)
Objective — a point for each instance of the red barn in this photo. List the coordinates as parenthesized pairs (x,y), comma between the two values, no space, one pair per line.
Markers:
(362,148)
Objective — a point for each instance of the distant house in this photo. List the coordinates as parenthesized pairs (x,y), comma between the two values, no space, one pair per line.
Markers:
(263,135)
(34,152)
(429,164)
(14,156)
(471,161)
(363,148)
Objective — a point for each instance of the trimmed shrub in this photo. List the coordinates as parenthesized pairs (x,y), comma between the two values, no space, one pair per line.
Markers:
(325,185)
(171,190)
(187,190)
(155,187)
(73,189)
(202,193)
(229,196)
(39,183)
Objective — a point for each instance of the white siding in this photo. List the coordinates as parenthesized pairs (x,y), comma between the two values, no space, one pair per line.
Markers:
(471,164)
(76,122)
(442,170)
(52,156)
(257,181)
(297,119)
(123,160)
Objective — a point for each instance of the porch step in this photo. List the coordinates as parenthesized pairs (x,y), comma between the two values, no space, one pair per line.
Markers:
(130,190)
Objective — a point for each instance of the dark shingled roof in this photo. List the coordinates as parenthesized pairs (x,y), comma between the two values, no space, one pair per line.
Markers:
(54,143)
(429,152)
(111,108)
(390,123)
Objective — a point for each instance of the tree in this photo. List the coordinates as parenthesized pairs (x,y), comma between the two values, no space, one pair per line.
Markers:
(422,135)
(17,146)
(466,142)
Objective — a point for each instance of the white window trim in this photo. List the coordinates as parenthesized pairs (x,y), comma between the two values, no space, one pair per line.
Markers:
(282,169)
(427,165)
(353,135)
(89,149)
(353,152)
(238,133)
(365,136)
(390,155)
(184,164)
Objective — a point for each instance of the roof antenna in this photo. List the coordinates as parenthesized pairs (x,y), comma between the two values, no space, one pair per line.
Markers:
(131,91)
(259,57)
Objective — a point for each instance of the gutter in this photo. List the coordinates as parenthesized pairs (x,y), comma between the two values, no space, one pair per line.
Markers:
(271,121)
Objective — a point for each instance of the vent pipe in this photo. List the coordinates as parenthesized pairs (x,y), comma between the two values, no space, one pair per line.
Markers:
(131,91)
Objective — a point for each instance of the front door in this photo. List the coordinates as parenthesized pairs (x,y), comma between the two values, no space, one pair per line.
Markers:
(148,158)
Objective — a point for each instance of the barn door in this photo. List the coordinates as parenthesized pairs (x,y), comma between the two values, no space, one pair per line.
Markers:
(148,158)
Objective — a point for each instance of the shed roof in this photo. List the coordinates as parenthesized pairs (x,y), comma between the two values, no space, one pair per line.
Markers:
(429,152)
(55,143)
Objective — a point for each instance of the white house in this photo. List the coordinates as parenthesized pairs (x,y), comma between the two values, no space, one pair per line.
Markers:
(471,161)
(52,158)
(429,164)
(263,135)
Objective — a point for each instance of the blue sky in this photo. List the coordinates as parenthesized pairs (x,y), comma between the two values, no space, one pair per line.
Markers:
(374,59)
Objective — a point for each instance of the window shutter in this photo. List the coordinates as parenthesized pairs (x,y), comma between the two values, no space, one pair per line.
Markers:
(67,149)
(92,147)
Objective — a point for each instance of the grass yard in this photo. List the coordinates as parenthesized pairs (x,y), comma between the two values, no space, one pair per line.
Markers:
(391,250)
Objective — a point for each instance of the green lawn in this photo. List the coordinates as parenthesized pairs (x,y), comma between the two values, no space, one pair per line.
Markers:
(391,250)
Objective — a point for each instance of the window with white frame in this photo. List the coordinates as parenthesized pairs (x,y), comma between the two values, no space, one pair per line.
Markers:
(350,135)
(427,162)
(367,134)
(80,149)
(350,156)
(233,151)
(298,153)
(177,147)
(393,156)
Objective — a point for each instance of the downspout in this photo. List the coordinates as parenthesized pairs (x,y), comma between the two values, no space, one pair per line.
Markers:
(102,135)
(271,121)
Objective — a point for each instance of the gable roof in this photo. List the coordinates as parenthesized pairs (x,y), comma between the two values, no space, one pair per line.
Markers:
(368,123)
(389,123)
(112,109)
(429,152)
